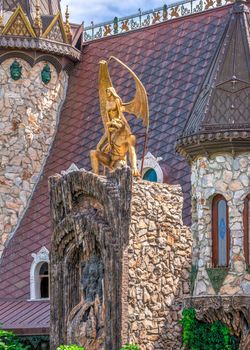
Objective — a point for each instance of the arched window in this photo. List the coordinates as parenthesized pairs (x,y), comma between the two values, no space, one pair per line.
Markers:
(246,224)
(220,232)
(39,275)
(44,280)
(152,170)
(150,175)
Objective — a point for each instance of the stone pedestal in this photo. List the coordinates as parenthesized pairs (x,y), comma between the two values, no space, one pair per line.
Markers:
(120,261)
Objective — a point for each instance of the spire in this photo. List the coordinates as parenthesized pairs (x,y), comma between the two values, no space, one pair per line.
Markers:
(67,25)
(37,20)
(220,116)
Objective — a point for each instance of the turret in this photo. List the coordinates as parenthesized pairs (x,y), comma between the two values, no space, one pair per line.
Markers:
(216,141)
(37,52)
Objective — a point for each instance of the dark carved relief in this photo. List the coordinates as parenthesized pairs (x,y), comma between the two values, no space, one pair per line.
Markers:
(92,278)
(91,218)
(85,322)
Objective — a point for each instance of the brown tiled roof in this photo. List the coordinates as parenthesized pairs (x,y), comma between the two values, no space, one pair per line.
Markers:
(22,315)
(171,59)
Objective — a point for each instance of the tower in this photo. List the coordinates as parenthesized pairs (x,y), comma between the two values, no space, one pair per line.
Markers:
(37,51)
(216,140)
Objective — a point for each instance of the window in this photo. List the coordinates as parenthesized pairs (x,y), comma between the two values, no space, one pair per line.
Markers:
(150,175)
(152,170)
(44,280)
(220,232)
(246,224)
(39,275)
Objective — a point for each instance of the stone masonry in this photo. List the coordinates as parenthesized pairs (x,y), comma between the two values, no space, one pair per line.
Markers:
(120,261)
(158,266)
(229,176)
(29,115)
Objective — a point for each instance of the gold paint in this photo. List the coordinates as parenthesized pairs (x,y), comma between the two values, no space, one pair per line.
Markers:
(118,140)
(38,21)
(174,12)
(125,25)
(67,25)
(18,24)
(156,17)
(208,4)
(56,19)
(107,30)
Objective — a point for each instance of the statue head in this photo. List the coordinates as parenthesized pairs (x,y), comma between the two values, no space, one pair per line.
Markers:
(112,93)
(46,74)
(16,70)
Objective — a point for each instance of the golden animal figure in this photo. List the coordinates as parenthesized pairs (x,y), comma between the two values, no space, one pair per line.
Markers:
(118,140)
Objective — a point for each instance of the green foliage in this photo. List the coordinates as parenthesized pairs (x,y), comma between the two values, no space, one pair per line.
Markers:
(70,347)
(217,276)
(9,341)
(130,347)
(199,335)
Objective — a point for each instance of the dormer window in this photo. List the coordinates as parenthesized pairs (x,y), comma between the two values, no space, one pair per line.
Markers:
(152,170)
(246,224)
(150,175)
(39,275)
(220,232)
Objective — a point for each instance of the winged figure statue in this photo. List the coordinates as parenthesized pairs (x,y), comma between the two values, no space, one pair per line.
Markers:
(118,140)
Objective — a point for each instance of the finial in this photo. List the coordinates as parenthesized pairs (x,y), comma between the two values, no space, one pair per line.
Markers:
(67,25)
(38,21)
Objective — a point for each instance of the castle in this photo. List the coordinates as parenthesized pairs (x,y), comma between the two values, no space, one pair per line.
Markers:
(193,59)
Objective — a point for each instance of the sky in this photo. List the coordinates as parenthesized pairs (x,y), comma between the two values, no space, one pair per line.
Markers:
(104,10)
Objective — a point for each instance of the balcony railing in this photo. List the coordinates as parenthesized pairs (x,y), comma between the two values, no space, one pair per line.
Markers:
(146,18)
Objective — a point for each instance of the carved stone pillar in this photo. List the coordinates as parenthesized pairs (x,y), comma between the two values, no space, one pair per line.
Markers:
(120,261)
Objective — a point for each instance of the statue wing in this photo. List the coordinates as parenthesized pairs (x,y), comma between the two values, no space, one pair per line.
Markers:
(139,105)
(104,83)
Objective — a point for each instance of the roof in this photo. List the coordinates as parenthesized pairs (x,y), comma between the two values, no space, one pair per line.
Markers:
(171,59)
(223,103)
(23,315)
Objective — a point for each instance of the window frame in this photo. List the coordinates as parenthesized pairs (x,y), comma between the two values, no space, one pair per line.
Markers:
(215,243)
(246,228)
(42,256)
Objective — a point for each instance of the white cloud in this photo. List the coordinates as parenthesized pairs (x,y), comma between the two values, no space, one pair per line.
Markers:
(105,10)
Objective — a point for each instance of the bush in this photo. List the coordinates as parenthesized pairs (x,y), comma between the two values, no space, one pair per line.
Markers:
(130,347)
(70,347)
(9,341)
(199,335)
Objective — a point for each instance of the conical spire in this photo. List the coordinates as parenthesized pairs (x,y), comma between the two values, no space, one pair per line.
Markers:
(221,112)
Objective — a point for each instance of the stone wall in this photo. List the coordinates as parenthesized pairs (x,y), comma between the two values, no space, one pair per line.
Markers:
(124,239)
(159,254)
(229,176)
(29,115)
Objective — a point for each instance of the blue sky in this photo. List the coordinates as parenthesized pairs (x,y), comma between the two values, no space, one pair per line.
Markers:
(103,10)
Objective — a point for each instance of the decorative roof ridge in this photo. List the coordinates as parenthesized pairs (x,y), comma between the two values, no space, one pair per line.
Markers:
(57,18)
(145,19)
(11,20)
(233,141)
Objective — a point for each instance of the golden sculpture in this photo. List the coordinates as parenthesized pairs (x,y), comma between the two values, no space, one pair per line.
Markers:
(118,140)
